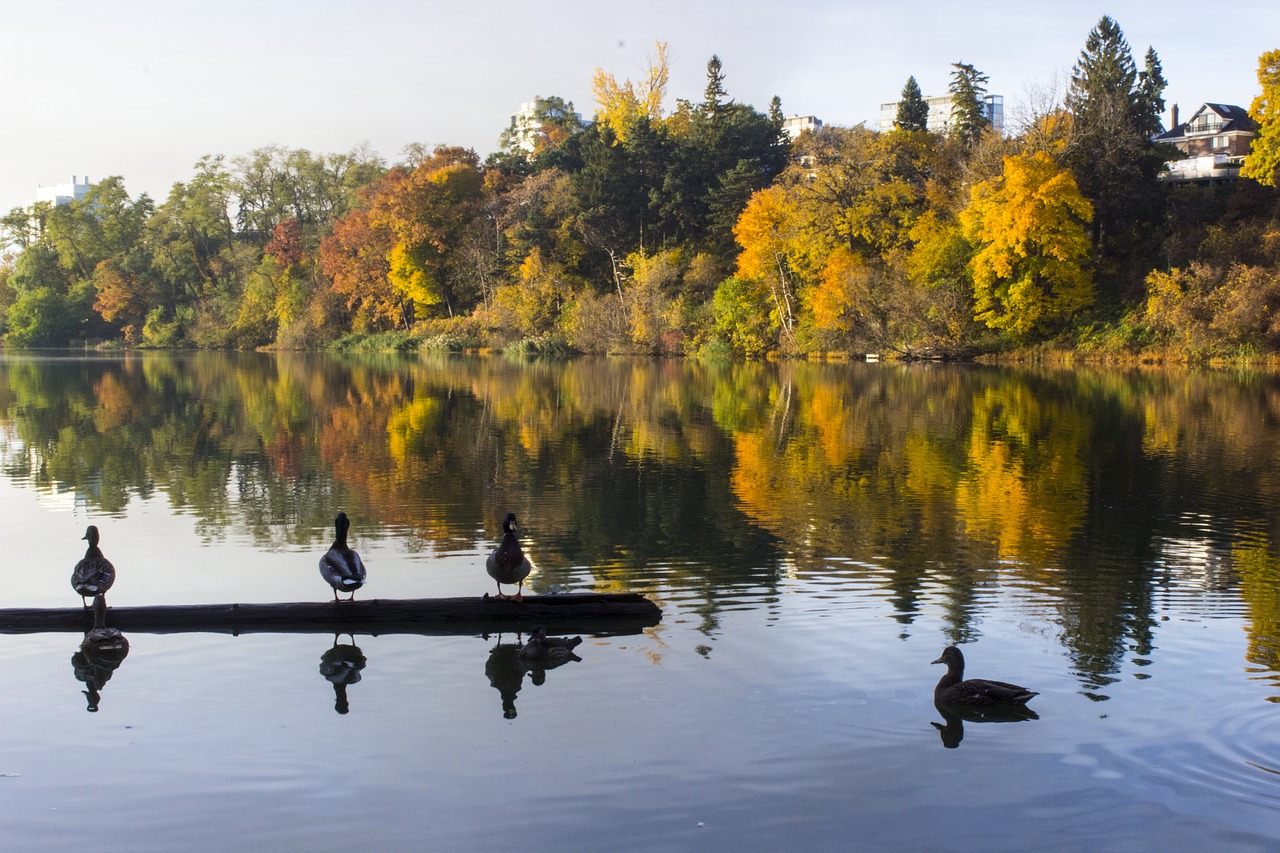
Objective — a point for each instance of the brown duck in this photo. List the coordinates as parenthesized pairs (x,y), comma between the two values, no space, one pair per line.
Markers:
(952,687)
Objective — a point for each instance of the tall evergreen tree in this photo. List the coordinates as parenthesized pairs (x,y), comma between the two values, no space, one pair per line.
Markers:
(713,99)
(968,112)
(1114,113)
(913,110)
(1150,94)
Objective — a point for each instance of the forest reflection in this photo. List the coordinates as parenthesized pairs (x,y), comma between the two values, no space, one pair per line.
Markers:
(1090,490)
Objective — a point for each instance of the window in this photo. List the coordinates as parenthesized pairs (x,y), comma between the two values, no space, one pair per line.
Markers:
(1218,142)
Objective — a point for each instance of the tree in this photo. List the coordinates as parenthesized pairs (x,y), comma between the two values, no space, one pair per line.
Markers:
(554,120)
(1110,148)
(622,105)
(1263,162)
(713,98)
(1029,272)
(968,111)
(398,248)
(913,109)
(1150,94)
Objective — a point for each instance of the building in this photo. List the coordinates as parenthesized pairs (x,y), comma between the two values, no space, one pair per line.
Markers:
(62,193)
(527,126)
(1215,141)
(797,125)
(941,108)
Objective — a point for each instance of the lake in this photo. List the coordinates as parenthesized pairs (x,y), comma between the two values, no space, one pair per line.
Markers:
(814,533)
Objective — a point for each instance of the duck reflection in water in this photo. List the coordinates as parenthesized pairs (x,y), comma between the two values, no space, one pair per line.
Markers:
(955,714)
(509,662)
(101,652)
(341,666)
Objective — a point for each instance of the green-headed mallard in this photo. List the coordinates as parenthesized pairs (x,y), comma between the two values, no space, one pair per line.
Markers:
(341,567)
(508,564)
(93,575)
(976,691)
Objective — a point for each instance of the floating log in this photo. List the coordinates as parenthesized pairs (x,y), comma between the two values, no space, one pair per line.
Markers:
(581,612)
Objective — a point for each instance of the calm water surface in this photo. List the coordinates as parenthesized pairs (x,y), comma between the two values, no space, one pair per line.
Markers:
(815,535)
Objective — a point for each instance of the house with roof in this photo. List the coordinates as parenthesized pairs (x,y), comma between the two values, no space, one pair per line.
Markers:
(1215,141)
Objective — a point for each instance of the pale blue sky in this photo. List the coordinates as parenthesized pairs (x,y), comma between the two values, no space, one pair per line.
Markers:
(143,88)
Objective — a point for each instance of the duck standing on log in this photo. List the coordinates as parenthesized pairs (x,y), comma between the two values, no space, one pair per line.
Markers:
(93,575)
(976,691)
(341,567)
(508,564)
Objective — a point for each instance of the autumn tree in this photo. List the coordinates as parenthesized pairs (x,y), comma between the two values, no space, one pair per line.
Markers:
(620,105)
(1263,162)
(552,123)
(913,109)
(1029,273)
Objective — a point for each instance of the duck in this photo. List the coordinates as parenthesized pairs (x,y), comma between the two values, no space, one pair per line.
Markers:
(976,691)
(508,564)
(100,640)
(544,648)
(93,575)
(341,666)
(341,567)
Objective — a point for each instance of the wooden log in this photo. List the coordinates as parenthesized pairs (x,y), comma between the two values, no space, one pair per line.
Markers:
(581,612)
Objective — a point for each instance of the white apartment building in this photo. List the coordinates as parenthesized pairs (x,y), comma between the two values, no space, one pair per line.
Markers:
(797,125)
(63,193)
(941,108)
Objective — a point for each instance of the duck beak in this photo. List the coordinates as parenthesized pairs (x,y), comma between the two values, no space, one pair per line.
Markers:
(939,660)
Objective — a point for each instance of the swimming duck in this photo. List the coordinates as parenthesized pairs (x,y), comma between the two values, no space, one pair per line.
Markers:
(976,691)
(542,647)
(93,575)
(508,564)
(341,567)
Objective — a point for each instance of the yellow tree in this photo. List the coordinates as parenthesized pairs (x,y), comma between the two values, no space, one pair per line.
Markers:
(621,105)
(767,232)
(1263,162)
(1028,226)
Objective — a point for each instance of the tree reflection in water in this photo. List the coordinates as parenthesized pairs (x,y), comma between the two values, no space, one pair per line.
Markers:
(937,483)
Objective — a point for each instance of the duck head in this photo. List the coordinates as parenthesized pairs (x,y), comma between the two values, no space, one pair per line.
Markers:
(342,523)
(509,524)
(91,534)
(952,658)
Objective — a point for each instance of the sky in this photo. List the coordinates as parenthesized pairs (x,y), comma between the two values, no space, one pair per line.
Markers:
(144,88)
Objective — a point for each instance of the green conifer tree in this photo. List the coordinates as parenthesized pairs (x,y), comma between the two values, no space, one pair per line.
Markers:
(968,112)
(913,110)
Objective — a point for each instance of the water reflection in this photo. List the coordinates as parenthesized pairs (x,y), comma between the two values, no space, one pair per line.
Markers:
(101,652)
(1098,493)
(508,663)
(955,714)
(341,666)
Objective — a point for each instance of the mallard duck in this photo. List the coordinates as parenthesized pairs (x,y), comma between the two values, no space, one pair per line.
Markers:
(976,691)
(544,648)
(101,640)
(101,652)
(341,567)
(508,564)
(93,575)
(341,666)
